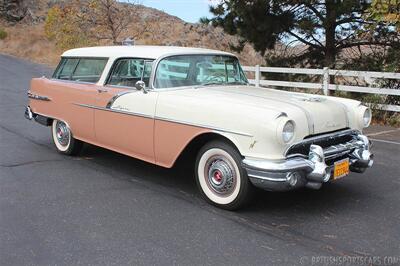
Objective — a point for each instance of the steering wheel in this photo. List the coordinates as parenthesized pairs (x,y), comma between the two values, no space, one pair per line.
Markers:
(215,79)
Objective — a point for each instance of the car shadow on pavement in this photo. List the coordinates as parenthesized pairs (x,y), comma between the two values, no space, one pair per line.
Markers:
(180,177)
(180,180)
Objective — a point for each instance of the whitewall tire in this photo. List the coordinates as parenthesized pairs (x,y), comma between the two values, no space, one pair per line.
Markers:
(220,177)
(63,139)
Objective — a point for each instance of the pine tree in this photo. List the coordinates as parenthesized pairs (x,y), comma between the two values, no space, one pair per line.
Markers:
(325,28)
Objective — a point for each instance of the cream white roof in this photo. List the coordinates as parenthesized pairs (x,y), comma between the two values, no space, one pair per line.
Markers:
(143,51)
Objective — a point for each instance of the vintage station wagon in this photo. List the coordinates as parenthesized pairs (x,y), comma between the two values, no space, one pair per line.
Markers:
(157,103)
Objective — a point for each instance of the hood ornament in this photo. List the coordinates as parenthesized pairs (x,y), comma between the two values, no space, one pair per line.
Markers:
(331,124)
(314,99)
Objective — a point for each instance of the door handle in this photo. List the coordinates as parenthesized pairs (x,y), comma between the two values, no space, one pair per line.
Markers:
(102,90)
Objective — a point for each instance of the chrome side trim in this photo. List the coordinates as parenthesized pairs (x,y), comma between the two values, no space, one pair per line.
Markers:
(202,126)
(114,110)
(163,119)
(38,97)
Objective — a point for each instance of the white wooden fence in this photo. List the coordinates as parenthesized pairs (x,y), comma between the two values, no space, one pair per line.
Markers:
(325,86)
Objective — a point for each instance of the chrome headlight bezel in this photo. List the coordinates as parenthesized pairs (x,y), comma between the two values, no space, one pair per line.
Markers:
(367,117)
(364,116)
(286,131)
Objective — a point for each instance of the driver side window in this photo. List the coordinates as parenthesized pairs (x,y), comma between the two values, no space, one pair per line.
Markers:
(126,72)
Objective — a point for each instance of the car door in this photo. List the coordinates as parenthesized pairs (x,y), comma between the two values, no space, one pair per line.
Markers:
(124,121)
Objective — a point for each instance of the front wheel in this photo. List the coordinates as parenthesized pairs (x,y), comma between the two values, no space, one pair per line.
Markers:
(63,139)
(220,177)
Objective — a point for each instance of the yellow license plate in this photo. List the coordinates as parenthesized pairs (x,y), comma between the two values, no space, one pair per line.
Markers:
(341,168)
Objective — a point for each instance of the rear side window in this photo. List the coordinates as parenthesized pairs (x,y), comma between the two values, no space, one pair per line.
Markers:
(80,69)
(89,70)
(65,68)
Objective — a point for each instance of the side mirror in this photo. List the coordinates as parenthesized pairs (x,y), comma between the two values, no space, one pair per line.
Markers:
(141,86)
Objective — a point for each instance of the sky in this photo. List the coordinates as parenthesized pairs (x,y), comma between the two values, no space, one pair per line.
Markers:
(188,10)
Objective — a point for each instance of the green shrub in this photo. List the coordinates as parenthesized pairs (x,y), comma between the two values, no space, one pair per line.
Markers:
(3,34)
(394,120)
(62,26)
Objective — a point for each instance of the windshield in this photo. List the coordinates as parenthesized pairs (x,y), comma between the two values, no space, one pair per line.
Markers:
(198,70)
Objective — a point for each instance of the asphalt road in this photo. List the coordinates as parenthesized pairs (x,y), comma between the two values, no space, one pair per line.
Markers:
(103,208)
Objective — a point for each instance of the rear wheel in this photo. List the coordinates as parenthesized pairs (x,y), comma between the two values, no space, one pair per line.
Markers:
(63,139)
(220,177)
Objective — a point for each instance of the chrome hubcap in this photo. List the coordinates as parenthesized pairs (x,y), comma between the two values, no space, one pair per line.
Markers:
(62,133)
(220,176)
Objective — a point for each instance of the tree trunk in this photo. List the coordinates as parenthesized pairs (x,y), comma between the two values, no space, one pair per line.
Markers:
(330,38)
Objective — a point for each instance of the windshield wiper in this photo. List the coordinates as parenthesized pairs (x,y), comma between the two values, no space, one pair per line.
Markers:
(211,83)
(208,84)
(236,83)
(222,83)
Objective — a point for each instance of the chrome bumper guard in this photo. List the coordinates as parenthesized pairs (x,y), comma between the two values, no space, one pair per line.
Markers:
(301,171)
(28,113)
(43,120)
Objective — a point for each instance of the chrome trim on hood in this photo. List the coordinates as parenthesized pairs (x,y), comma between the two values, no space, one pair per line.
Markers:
(310,121)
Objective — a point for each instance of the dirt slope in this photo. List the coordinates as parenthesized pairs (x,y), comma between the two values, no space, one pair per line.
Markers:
(26,37)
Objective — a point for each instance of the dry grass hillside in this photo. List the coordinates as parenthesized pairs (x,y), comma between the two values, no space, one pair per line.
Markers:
(26,38)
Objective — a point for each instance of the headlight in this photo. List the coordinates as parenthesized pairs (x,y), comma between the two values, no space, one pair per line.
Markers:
(367,117)
(288,131)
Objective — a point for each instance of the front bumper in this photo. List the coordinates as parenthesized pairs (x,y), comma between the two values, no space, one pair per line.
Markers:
(310,171)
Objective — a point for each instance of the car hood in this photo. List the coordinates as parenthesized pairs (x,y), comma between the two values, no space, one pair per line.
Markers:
(322,113)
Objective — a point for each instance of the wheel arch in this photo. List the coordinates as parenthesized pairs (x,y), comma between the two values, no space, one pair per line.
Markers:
(194,145)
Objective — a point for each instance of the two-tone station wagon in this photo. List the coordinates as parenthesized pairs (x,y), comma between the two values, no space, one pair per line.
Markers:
(155,103)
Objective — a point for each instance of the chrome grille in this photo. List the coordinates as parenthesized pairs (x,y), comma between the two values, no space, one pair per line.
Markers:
(335,145)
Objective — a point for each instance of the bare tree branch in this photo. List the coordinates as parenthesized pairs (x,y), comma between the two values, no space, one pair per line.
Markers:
(304,40)
(315,11)
(359,43)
